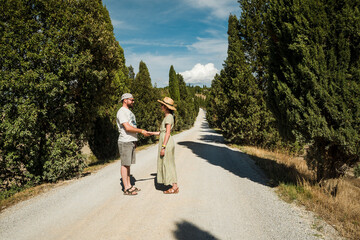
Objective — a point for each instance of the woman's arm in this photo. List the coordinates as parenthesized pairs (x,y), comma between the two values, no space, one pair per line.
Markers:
(166,139)
(154,133)
(167,134)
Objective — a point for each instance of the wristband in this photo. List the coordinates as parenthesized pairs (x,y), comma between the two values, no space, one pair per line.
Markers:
(163,146)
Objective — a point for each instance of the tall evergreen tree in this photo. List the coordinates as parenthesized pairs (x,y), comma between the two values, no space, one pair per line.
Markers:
(146,109)
(254,38)
(215,108)
(241,124)
(104,136)
(187,107)
(183,91)
(131,73)
(314,78)
(173,85)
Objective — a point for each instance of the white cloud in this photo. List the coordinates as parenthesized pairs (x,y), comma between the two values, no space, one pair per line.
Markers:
(121,25)
(218,8)
(206,46)
(210,46)
(214,32)
(158,43)
(200,74)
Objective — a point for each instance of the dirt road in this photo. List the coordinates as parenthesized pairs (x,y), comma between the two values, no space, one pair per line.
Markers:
(223,195)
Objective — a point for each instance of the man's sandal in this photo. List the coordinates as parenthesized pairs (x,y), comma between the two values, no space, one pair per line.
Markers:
(171,191)
(130,192)
(135,189)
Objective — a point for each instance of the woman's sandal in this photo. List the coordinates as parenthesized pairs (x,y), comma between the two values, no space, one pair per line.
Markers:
(130,192)
(171,191)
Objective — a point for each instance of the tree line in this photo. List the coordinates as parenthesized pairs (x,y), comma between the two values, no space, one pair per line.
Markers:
(61,78)
(292,79)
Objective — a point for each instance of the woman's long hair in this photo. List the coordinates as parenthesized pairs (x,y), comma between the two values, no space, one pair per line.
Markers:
(172,112)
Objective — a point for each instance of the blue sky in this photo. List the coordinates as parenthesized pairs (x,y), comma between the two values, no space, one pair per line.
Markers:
(191,35)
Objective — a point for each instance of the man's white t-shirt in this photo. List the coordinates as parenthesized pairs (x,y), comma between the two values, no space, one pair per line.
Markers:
(125,115)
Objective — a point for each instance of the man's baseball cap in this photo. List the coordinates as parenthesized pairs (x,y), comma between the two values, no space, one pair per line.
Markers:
(126,95)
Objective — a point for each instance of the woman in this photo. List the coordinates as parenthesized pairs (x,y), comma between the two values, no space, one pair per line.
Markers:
(166,172)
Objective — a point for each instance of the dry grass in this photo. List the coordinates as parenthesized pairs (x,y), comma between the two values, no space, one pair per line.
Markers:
(337,201)
(28,193)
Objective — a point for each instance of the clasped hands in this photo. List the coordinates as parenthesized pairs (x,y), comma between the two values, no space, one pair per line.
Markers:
(148,134)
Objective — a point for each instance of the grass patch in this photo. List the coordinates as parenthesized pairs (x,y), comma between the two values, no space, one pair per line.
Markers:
(334,200)
(25,193)
(291,192)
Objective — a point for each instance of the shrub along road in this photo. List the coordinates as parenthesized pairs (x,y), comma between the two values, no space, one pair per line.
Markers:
(223,195)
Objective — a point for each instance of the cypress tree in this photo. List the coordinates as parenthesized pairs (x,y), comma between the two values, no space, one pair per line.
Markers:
(173,85)
(314,79)
(183,91)
(238,111)
(131,73)
(104,136)
(254,38)
(186,107)
(242,121)
(215,110)
(146,108)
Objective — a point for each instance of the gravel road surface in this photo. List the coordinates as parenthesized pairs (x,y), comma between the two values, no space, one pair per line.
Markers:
(223,195)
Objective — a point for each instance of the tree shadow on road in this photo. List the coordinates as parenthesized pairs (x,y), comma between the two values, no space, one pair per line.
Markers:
(205,128)
(233,161)
(186,231)
(213,138)
(278,173)
(266,171)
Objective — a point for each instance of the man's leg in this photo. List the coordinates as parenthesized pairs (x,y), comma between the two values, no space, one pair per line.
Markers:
(125,170)
(128,176)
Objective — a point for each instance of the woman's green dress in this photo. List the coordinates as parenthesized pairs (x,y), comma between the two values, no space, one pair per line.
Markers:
(166,172)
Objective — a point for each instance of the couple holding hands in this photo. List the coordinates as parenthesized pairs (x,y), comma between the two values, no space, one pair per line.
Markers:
(126,122)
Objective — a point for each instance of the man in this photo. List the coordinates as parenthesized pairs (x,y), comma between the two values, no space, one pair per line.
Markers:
(126,123)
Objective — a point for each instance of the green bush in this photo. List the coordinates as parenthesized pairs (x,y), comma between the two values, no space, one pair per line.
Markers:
(65,160)
(58,63)
(357,170)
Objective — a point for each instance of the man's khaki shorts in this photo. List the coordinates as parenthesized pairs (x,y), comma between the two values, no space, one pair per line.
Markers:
(127,153)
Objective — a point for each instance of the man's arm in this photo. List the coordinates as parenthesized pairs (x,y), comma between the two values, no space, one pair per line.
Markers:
(132,129)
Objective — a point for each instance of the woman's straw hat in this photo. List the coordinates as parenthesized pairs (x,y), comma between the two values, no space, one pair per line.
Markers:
(168,102)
